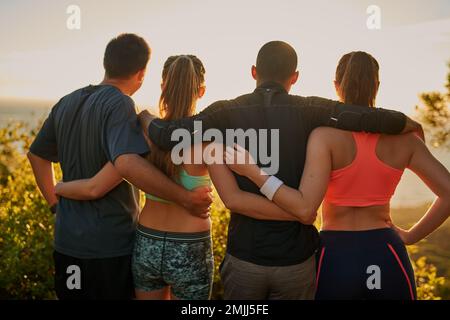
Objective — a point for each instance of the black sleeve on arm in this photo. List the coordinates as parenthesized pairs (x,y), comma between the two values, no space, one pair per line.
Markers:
(160,131)
(323,112)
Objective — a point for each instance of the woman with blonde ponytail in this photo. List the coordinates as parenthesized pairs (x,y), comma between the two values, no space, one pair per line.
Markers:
(173,256)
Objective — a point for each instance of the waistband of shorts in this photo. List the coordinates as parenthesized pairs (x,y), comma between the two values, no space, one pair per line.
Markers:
(360,238)
(174,236)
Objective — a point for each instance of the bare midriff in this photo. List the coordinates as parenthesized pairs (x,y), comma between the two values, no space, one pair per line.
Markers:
(339,218)
(171,217)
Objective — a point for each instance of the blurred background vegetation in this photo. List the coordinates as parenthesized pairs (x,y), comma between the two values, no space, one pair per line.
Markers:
(26,224)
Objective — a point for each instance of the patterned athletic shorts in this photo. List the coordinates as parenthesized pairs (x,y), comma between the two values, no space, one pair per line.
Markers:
(183,261)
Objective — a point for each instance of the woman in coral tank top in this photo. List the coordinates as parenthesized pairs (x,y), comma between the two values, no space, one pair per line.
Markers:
(362,255)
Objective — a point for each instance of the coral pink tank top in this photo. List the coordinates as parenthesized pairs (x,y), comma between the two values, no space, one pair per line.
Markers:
(367,181)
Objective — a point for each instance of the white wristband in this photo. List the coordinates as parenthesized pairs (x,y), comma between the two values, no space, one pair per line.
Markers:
(270,187)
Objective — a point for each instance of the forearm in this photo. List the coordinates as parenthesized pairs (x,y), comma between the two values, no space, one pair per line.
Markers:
(44,177)
(293,201)
(258,207)
(355,118)
(433,219)
(289,200)
(242,202)
(77,190)
(160,131)
(149,179)
(374,120)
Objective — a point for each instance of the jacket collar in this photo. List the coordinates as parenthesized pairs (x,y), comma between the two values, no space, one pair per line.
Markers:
(271,86)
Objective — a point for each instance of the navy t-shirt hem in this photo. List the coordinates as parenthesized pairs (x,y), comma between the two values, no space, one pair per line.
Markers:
(98,255)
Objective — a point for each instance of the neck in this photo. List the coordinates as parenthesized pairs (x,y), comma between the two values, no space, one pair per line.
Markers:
(120,84)
(286,86)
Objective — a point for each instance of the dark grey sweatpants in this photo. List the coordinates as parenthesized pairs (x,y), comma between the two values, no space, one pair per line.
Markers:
(247,281)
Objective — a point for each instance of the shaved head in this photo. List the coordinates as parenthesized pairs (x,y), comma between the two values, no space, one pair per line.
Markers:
(276,61)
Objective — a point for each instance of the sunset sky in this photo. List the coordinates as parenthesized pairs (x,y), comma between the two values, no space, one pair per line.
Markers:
(40,58)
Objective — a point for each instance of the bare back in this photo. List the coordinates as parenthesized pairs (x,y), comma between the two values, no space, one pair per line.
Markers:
(172,217)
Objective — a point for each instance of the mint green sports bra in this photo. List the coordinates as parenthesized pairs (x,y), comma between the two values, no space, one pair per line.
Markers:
(188,182)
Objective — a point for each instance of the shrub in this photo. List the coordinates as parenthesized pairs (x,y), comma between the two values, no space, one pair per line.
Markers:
(220,217)
(26,224)
(428,283)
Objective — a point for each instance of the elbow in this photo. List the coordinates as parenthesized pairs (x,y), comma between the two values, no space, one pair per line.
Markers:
(446,195)
(122,165)
(446,200)
(231,203)
(306,216)
(94,193)
(311,218)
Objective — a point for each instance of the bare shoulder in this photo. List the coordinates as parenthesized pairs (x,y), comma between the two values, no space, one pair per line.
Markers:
(327,134)
(326,131)
(408,140)
(398,150)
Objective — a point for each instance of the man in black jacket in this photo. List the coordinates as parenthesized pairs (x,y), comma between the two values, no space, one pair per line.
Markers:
(275,259)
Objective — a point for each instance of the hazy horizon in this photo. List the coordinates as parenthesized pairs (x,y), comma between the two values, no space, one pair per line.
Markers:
(42,59)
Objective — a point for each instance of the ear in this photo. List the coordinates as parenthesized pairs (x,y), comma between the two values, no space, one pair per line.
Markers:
(201,92)
(336,86)
(295,77)
(141,75)
(254,73)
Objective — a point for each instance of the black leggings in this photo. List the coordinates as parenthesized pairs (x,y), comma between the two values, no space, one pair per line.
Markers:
(360,265)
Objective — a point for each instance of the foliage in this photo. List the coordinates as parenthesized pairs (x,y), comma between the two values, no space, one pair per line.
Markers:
(26,225)
(434,114)
(427,281)
(220,217)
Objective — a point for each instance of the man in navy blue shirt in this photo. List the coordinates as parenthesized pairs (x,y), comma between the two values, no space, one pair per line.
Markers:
(85,130)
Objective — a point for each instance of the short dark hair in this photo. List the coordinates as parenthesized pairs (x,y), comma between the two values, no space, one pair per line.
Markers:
(125,55)
(276,61)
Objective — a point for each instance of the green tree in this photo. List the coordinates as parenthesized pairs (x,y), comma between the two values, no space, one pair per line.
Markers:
(434,114)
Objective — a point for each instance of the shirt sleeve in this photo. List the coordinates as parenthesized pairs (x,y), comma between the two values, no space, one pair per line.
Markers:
(160,131)
(45,144)
(122,131)
(320,112)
